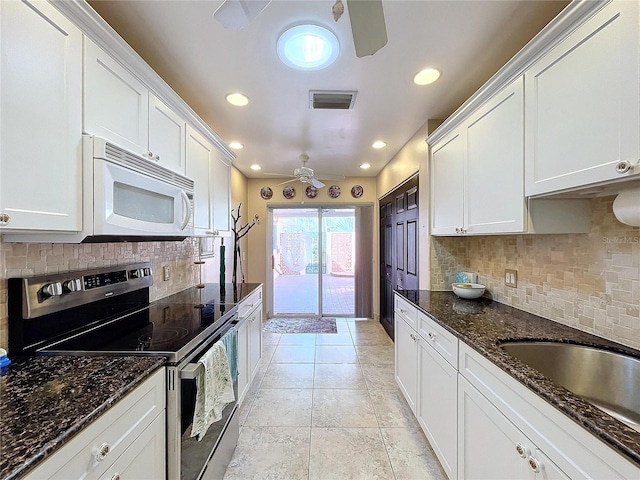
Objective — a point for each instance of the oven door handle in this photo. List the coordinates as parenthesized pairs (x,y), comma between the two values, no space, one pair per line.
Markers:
(190,371)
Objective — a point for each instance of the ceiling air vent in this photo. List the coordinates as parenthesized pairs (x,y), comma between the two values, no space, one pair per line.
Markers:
(331,100)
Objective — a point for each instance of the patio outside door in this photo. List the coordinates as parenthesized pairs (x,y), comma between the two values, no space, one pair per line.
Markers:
(313,257)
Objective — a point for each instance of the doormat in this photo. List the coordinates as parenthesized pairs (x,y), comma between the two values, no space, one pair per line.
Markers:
(300,325)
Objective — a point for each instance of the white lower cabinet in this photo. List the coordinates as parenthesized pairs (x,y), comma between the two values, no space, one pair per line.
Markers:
(128,439)
(249,340)
(406,368)
(491,447)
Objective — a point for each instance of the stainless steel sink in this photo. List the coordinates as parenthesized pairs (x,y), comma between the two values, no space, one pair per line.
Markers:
(609,380)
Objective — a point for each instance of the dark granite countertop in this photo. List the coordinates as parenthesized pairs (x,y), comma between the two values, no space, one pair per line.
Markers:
(484,324)
(45,401)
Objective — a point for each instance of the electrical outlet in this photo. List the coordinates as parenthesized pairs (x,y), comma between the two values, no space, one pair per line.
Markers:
(511,278)
(166,272)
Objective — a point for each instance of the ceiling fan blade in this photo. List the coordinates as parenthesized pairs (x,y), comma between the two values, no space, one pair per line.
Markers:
(327,176)
(288,181)
(278,174)
(367,26)
(317,183)
(238,14)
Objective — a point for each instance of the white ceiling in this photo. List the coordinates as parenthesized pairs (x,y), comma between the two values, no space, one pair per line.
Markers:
(468,40)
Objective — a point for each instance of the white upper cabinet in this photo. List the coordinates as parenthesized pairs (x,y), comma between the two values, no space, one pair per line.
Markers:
(583,106)
(120,108)
(41,117)
(167,135)
(447,184)
(221,191)
(200,155)
(116,104)
(494,193)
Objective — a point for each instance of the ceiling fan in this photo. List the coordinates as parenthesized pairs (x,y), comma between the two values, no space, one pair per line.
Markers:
(367,20)
(306,175)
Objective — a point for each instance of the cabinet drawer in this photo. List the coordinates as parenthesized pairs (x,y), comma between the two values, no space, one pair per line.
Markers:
(573,449)
(443,341)
(118,428)
(250,303)
(406,311)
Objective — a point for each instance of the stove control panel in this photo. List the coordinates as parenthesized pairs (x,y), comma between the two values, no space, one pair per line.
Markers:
(104,279)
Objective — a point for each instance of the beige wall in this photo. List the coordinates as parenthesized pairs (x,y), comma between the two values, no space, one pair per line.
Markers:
(589,281)
(256,265)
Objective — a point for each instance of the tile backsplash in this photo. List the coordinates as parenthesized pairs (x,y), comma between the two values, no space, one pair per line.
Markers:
(21,259)
(587,281)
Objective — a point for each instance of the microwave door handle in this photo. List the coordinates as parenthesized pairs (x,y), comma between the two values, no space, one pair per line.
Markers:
(185,200)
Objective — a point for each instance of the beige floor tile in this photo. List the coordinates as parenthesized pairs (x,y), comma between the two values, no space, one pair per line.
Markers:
(288,375)
(281,408)
(374,337)
(376,355)
(348,453)
(411,455)
(342,408)
(267,352)
(334,339)
(392,410)
(271,453)
(379,377)
(336,354)
(342,326)
(298,339)
(365,326)
(345,375)
(293,354)
(269,338)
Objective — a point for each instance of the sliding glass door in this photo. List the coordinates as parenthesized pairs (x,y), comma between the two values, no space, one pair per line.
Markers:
(313,261)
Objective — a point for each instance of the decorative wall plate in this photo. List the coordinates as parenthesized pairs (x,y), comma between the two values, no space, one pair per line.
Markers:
(311,191)
(266,193)
(334,191)
(357,191)
(288,192)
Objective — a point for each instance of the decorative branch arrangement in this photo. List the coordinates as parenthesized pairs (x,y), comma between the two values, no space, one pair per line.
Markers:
(238,233)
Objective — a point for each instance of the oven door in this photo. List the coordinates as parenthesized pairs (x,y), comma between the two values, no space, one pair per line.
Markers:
(127,202)
(209,457)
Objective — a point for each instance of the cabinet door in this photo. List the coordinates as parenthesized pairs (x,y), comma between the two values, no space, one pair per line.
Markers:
(406,354)
(220,187)
(41,117)
(255,340)
(491,447)
(243,360)
(495,201)
(199,158)
(582,104)
(116,104)
(447,185)
(166,135)
(144,459)
(437,409)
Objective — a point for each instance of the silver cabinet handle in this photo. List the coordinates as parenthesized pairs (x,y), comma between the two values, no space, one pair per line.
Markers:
(457,230)
(103,451)
(623,167)
(156,158)
(463,230)
(431,335)
(534,464)
(4,218)
(115,476)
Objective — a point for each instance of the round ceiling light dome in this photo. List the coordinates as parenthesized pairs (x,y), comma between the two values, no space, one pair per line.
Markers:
(308,47)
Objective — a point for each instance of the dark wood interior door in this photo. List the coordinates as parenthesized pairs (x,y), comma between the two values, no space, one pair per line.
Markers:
(399,244)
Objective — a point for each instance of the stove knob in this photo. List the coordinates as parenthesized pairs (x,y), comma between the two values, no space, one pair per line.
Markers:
(72,285)
(51,289)
(147,272)
(137,273)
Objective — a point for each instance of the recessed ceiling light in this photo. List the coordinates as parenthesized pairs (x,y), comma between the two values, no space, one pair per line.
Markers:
(426,76)
(308,47)
(238,99)
(365,166)
(236,145)
(379,144)
(255,167)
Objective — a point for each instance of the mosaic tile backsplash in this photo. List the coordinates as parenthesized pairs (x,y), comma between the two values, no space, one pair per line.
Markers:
(20,259)
(587,281)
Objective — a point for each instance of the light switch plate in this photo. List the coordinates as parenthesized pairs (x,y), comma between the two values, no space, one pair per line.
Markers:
(166,272)
(511,278)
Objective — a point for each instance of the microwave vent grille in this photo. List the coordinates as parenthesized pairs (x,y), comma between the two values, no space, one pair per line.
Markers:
(127,159)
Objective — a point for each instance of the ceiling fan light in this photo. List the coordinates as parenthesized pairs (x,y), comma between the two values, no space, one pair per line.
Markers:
(255,167)
(426,76)
(378,144)
(237,99)
(308,47)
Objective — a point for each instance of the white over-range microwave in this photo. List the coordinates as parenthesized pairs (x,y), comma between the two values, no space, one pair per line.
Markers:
(126,197)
